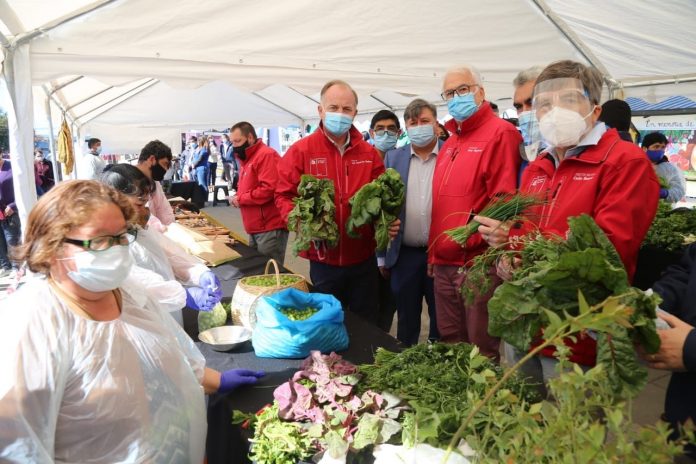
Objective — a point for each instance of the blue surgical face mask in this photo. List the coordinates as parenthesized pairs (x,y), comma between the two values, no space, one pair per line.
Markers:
(462,106)
(655,155)
(98,150)
(528,126)
(421,136)
(385,142)
(337,123)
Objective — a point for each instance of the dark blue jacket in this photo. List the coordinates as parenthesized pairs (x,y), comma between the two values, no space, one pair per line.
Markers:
(399,159)
(677,287)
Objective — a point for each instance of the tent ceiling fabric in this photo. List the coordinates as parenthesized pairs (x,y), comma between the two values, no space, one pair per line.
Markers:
(221,61)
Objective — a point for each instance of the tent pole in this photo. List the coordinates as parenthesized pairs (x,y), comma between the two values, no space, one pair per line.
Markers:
(88,98)
(136,90)
(28,36)
(9,17)
(277,105)
(575,41)
(52,140)
(391,108)
(17,75)
(306,96)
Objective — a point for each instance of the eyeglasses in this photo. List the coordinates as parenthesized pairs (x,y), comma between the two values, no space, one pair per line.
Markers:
(105,242)
(464,89)
(381,132)
(568,98)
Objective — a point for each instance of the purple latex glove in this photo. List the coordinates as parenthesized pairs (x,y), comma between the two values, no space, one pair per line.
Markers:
(664,193)
(199,299)
(234,378)
(211,283)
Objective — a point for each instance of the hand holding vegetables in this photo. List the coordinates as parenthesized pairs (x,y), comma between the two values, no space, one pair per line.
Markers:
(671,354)
(394,229)
(199,299)
(211,284)
(313,217)
(378,203)
(493,231)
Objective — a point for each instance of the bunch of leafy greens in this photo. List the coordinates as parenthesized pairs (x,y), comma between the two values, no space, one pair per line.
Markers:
(672,229)
(378,203)
(321,411)
(584,424)
(546,287)
(502,208)
(313,217)
(440,383)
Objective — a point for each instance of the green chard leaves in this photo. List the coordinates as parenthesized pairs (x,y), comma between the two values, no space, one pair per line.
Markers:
(314,216)
(378,203)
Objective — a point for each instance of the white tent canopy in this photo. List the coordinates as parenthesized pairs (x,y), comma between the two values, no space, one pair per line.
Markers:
(141,69)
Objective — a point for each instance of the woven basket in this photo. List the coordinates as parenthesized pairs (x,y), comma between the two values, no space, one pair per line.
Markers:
(243,308)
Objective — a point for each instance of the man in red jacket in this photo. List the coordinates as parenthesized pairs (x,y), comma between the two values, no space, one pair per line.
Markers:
(258,178)
(585,168)
(478,161)
(337,151)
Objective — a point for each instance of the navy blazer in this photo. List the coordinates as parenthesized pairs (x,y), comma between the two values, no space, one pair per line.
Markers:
(399,159)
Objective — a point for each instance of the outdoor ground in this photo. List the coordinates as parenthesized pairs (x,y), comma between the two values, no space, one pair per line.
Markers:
(647,407)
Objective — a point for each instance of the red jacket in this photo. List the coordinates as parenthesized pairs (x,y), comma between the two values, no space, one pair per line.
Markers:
(614,183)
(258,177)
(318,156)
(479,160)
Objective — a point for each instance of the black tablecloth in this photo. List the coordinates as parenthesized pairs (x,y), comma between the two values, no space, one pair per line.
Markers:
(225,443)
(189,191)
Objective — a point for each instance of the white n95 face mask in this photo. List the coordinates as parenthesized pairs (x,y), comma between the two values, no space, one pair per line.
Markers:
(101,271)
(563,128)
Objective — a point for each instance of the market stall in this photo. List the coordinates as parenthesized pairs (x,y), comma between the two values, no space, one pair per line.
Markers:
(226,443)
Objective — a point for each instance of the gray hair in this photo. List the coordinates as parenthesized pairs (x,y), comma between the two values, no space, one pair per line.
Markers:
(466,68)
(416,107)
(528,75)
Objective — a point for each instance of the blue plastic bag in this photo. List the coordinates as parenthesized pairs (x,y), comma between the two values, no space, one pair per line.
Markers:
(276,336)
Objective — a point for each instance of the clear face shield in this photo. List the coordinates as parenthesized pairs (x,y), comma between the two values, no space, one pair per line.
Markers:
(562,108)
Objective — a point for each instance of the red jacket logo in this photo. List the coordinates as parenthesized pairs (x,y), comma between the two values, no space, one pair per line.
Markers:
(538,181)
(318,167)
(583,176)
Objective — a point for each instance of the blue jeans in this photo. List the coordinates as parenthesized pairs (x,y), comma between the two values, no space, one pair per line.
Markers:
(201,174)
(10,237)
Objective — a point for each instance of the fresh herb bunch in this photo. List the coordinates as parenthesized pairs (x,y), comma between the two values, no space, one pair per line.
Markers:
(314,216)
(438,381)
(584,422)
(378,203)
(546,285)
(502,208)
(672,229)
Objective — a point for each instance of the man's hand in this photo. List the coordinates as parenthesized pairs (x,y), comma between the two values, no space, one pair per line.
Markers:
(671,354)
(493,231)
(430,270)
(8,211)
(394,229)
(234,201)
(385,272)
(505,266)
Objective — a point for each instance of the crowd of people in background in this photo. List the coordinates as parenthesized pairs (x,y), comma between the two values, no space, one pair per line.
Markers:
(565,147)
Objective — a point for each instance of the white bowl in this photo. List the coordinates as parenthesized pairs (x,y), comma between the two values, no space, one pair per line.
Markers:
(225,337)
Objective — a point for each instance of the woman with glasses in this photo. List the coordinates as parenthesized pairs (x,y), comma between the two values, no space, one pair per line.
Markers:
(92,368)
(155,252)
